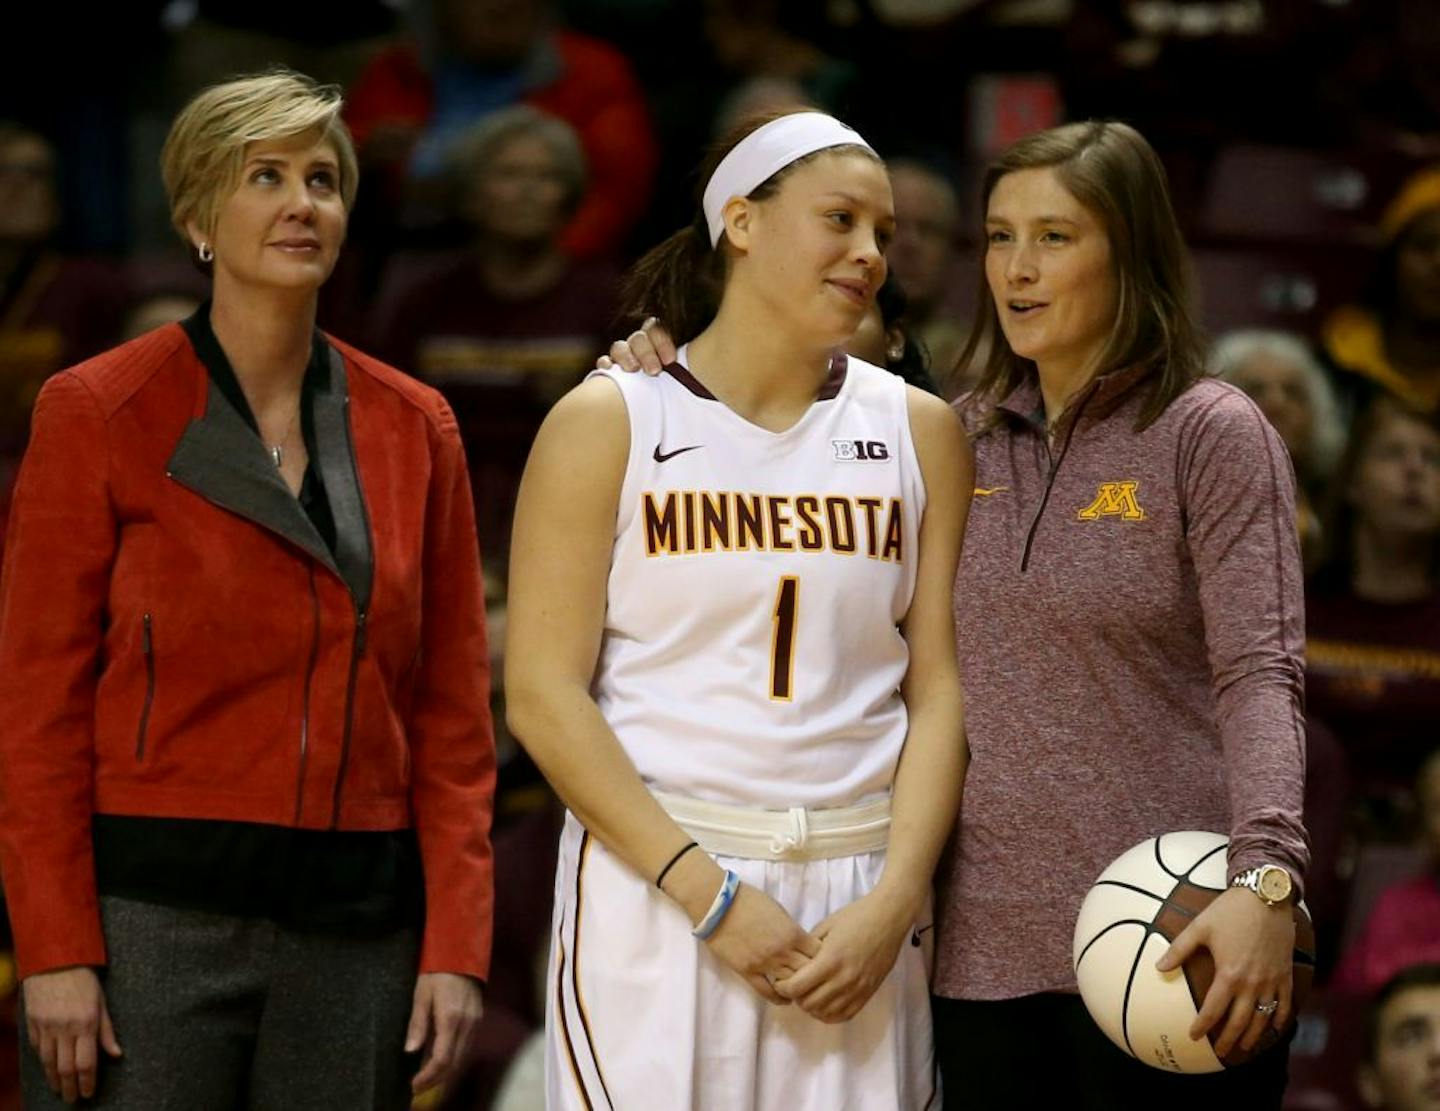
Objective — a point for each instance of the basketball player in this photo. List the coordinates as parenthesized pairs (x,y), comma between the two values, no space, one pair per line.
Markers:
(731,653)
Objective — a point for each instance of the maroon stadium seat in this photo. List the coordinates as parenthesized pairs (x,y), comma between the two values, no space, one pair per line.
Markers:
(1324,1054)
(1265,194)
(1250,287)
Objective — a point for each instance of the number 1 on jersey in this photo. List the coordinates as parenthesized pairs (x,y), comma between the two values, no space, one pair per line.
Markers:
(782,641)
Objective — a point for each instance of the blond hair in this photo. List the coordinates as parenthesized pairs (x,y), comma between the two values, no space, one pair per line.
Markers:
(205,150)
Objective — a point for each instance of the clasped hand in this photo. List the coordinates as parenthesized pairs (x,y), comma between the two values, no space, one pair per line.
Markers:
(829,972)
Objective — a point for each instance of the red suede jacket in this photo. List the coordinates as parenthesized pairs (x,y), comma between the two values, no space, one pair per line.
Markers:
(176,640)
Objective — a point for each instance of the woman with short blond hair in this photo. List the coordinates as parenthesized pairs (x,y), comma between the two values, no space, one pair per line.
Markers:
(247,766)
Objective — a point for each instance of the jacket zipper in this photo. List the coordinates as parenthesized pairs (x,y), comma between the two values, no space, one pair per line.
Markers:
(357,647)
(305,709)
(357,650)
(1050,481)
(146,646)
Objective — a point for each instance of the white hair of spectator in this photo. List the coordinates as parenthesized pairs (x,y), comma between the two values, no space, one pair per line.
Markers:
(471,153)
(1327,430)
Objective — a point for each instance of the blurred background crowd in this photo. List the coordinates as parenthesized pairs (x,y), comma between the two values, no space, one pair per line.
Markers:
(518,154)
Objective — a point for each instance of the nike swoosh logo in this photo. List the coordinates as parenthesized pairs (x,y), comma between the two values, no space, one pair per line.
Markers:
(986,491)
(915,934)
(661,456)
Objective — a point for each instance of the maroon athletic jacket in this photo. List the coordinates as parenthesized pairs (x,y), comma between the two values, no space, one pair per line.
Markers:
(1131,636)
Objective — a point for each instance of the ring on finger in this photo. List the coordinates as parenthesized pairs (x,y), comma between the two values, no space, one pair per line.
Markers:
(1268,1008)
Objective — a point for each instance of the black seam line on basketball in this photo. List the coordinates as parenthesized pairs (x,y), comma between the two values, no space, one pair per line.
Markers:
(1161,860)
(1125,1003)
(565,1026)
(1202,860)
(1114,926)
(660,456)
(1131,887)
(575,969)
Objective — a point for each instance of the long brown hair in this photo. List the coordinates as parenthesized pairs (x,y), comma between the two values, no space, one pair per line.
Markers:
(1110,169)
(681,281)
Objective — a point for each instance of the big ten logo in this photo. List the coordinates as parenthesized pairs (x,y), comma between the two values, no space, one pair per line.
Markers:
(860,451)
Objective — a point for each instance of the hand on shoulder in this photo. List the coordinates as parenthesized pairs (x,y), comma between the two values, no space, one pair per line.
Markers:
(648,348)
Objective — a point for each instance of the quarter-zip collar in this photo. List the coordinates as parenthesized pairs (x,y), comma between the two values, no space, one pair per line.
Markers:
(221,457)
(1100,396)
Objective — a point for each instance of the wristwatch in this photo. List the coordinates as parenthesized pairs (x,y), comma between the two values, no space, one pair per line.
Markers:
(1270,882)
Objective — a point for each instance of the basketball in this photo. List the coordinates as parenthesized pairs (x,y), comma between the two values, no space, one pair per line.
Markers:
(1131,914)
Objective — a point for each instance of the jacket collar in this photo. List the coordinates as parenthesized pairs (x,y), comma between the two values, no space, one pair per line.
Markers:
(221,457)
(339,469)
(1101,396)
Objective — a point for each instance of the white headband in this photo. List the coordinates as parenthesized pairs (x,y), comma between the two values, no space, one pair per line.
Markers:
(766,151)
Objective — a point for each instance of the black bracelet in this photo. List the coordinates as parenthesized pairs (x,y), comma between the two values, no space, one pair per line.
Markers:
(665,871)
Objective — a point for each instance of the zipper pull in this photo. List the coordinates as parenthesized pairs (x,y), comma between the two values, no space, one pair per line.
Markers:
(145,635)
(360,634)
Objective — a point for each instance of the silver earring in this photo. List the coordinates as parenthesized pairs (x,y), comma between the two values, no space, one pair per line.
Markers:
(206,253)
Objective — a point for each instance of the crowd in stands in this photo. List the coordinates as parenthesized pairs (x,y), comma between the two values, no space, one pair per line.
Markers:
(518,154)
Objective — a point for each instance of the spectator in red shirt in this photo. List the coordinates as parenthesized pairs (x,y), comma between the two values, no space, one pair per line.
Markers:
(470,57)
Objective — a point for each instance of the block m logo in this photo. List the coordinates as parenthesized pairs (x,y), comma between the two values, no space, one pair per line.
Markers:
(1114,499)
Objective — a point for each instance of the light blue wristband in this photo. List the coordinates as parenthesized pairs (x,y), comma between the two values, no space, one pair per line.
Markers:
(723,898)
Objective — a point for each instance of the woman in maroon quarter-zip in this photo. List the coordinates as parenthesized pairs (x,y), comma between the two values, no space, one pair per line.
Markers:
(246,765)
(1130,630)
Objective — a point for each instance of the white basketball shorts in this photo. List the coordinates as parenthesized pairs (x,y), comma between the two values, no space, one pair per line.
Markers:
(641,1017)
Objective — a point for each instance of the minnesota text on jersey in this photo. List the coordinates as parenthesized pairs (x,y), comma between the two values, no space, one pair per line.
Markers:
(689,521)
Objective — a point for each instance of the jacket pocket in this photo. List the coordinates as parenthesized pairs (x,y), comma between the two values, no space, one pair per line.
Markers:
(147,646)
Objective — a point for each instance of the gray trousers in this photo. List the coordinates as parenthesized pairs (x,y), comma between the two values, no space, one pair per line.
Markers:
(216,1013)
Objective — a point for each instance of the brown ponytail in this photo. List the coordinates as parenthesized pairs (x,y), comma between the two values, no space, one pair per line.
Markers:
(678,282)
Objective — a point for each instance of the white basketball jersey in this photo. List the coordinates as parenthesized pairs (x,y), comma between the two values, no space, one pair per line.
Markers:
(751,652)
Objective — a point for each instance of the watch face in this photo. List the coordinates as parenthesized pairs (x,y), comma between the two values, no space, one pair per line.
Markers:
(1274,884)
